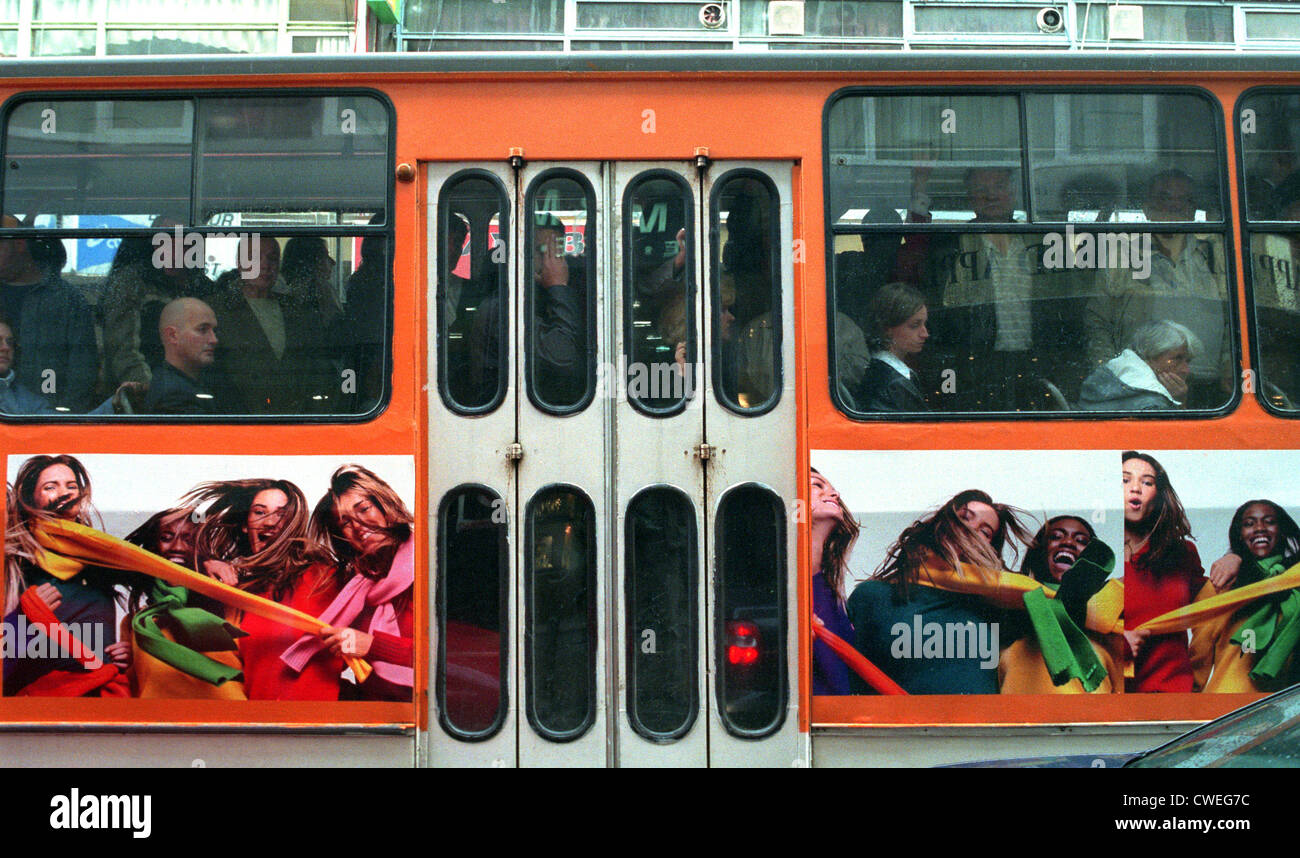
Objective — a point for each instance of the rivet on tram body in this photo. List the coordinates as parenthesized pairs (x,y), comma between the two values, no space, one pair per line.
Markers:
(405,173)
(516,157)
(702,160)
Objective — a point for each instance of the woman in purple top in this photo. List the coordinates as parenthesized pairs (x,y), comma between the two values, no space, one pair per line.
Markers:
(834,530)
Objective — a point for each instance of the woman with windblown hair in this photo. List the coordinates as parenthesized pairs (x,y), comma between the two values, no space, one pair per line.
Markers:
(369,529)
(834,530)
(254,536)
(1162,572)
(942,570)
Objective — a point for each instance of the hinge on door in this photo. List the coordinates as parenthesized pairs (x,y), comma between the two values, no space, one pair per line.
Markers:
(514,452)
(705,452)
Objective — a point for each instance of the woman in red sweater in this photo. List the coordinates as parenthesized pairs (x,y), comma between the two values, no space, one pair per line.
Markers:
(253,536)
(369,529)
(1162,572)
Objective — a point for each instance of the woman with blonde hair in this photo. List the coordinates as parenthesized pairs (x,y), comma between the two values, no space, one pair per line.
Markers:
(369,530)
(932,576)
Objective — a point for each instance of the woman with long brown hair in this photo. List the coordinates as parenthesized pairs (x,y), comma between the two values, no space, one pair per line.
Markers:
(932,576)
(834,530)
(254,536)
(369,529)
(1162,572)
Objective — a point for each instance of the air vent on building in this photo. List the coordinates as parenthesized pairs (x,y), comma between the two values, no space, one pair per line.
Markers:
(785,18)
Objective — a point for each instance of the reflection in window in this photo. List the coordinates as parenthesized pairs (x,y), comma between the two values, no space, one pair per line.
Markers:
(473,306)
(751,611)
(747,297)
(99,158)
(951,320)
(660,302)
(560,613)
(474,564)
(559,348)
(662,631)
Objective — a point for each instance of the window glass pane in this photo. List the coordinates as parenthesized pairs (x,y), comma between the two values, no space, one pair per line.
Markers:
(328,11)
(9,42)
(849,19)
(948,158)
(751,606)
(1282,26)
(120,157)
(197,10)
(1275,279)
(560,306)
(63,43)
(475,567)
(474,306)
(285,157)
(660,302)
(638,16)
(1108,157)
(662,631)
(1269,152)
(160,42)
(560,613)
(747,303)
(53,10)
(483,16)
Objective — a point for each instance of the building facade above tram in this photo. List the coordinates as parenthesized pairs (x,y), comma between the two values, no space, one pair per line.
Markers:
(62,28)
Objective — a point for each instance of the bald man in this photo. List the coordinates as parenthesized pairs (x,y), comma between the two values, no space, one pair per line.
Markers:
(60,359)
(188,330)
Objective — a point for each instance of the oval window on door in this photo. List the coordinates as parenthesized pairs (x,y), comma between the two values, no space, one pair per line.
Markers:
(473,305)
(662,627)
(560,302)
(473,617)
(751,610)
(746,286)
(659,293)
(560,613)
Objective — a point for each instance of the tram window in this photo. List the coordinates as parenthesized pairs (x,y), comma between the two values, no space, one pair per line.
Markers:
(473,614)
(286,159)
(181,324)
(662,629)
(1269,138)
(473,306)
(560,303)
(747,293)
(107,162)
(659,325)
(751,610)
(560,613)
(935,315)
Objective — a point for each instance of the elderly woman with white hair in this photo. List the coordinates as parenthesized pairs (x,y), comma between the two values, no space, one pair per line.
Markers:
(1151,374)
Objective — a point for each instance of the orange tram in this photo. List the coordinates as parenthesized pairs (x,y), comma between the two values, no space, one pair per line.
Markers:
(593,324)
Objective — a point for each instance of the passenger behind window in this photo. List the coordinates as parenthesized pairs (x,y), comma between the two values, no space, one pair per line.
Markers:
(60,359)
(748,277)
(270,352)
(1275,263)
(17,399)
(898,334)
(366,315)
(308,272)
(1186,284)
(187,328)
(141,281)
(1152,374)
(1003,322)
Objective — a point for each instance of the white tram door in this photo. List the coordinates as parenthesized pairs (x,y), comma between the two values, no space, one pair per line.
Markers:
(608,464)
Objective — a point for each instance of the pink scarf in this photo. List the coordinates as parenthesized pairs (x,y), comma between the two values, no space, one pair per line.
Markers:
(347,606)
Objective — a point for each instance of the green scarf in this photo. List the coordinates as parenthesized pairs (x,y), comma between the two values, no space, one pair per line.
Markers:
(1272,629)
(195,630)
(1067,652)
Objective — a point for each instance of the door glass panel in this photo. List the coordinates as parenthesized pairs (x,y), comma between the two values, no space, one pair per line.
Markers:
(662,633)
(473,319)
(560,305)
(472,647)
(751,609)
(560,613)
(659,299)
(747,296)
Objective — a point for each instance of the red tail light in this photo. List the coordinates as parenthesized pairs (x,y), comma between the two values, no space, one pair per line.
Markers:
(742,642)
